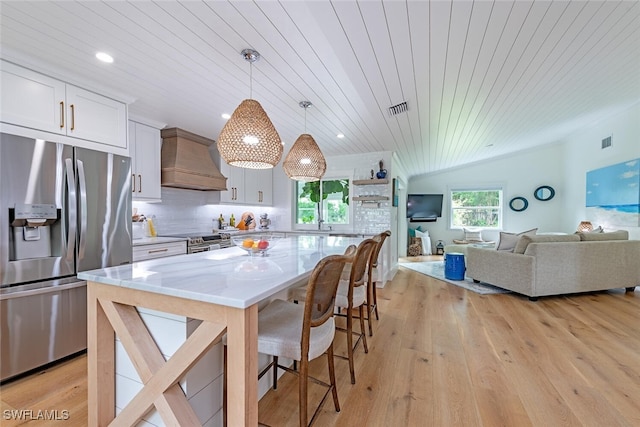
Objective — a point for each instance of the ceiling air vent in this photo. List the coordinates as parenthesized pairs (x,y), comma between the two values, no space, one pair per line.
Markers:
(394,110)
(606,142)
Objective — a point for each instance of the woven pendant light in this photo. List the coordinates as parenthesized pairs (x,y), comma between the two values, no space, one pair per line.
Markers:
(305,161)
(248,139)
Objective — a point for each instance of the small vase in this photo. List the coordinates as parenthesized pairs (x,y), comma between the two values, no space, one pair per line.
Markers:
(382,173)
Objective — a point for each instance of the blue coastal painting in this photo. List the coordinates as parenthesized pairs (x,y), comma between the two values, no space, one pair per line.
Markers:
(613,195)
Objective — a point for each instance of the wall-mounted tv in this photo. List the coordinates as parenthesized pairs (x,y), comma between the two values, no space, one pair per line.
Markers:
(424,207)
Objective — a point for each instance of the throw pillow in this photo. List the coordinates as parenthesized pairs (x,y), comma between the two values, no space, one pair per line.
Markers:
(412,231)
(508,240)
(611,235)
(524,240)
(426,241)
(472,235)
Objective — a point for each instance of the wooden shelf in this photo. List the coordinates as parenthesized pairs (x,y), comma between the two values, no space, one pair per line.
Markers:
(370,181)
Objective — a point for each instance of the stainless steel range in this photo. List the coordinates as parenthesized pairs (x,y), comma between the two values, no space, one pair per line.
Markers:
(204,242)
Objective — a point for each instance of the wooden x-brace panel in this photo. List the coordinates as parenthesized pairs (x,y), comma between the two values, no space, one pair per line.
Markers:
(112,310)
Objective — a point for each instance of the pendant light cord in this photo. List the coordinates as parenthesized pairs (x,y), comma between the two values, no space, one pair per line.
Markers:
(250,80)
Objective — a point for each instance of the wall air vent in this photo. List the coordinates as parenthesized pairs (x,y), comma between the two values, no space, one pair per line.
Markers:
(606,142)
(394,110)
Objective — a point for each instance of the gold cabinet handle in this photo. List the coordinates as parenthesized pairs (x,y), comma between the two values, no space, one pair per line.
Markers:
(156,251)
(133,182)
(139,183)
(73,117)
(61,114)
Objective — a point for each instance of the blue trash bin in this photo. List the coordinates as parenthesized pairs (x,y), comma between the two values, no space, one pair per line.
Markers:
(454,266)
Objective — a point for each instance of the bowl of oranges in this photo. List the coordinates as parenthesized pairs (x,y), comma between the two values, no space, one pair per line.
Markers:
(256,244)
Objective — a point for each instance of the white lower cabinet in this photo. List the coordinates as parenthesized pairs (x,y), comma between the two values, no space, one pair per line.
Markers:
(159,250)
(37,101)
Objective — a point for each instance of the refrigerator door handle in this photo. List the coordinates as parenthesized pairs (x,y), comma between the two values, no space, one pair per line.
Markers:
(83,209)
(73,206)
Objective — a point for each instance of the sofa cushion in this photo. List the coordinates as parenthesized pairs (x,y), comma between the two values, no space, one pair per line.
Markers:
(611,235)
(508,240)
(472,235)
(524,240)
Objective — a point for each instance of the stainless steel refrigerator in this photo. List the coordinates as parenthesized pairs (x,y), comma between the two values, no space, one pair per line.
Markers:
(63,210)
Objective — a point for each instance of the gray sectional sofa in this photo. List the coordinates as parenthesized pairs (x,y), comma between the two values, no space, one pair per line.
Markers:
(560,264)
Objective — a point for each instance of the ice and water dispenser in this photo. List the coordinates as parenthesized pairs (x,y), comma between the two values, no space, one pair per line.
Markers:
(36,229)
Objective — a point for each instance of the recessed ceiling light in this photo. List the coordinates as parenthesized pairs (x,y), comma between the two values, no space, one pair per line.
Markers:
(340,135)
(104,57)
(226,116)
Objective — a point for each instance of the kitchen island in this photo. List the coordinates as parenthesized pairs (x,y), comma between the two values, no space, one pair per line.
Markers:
(223,290)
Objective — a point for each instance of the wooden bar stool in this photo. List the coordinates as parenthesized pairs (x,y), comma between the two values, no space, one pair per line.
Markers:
(303,332)
(352,293)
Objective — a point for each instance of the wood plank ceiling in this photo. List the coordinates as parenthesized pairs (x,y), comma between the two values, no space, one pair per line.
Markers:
(480,78)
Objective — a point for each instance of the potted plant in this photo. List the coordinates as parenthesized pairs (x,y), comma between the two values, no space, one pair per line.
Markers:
(312,190)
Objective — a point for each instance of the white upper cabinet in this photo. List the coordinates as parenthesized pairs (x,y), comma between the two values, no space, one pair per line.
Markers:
(96,118)
(32,100)
(235,184)
(258,186)
(146,144)
(247,186)
(36,101)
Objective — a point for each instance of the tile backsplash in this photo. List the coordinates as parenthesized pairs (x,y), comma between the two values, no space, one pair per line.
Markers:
(189,211)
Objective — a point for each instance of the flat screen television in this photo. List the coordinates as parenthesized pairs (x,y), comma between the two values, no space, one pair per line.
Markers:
(424,207)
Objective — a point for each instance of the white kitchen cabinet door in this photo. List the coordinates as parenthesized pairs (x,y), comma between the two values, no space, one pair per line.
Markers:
(146,144)
(35,101)
(96,118)
(158,250)
(32,100)
(235,184)
(258,186)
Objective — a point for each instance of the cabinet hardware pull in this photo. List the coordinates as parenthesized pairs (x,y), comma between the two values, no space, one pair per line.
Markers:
(155,251)
(73,117)
(133,182)
(139,183)
(61,114)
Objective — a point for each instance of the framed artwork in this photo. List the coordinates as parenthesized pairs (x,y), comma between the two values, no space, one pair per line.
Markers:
(613,194)
(394,192)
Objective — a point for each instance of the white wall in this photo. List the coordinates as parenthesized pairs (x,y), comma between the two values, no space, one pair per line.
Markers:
(583,153)
(562,165)
(518,174)
(191,211)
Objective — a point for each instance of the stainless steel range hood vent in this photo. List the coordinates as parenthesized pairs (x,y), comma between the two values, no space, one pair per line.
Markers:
(186,162)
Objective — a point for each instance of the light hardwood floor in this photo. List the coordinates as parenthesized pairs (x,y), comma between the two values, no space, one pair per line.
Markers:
(444,356)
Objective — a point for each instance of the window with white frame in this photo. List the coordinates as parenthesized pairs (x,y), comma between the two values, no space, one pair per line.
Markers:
(326,200)
(476,208)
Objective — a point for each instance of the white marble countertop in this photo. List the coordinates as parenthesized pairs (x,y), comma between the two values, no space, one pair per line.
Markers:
(156,240)
(228,276)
